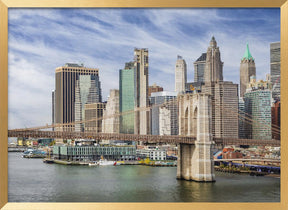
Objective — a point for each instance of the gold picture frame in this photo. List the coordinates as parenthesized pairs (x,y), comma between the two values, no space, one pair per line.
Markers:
(5,4)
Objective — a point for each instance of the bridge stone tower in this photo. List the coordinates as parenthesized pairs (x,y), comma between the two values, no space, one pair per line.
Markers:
(195,161)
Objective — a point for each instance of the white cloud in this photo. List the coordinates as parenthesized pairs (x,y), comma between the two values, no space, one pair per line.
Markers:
(42,39)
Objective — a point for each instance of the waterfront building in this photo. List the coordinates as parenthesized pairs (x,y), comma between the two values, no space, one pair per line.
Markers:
(93,113)
(152,154)
(45,141)
(258,100)
(180,75)
(154,88)
(275,69)
(65,84)
(110,123)
(127,93)
(224,95)
(164,113)
(21,141)
(141,64)
(199,68)
(94,153)
(247,69)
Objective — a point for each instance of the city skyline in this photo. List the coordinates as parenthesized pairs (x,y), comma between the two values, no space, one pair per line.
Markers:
(49,38)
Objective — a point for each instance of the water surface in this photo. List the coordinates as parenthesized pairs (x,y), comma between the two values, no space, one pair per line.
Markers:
(30,180)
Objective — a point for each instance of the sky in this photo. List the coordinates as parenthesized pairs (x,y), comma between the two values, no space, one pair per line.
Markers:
(40,40)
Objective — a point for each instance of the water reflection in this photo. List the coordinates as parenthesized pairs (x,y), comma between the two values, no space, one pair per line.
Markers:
(30,180)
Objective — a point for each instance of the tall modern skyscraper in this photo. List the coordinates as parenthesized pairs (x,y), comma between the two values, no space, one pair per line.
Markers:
(199,68)
(141,64)
(224,95)
(214,65)
(65,85)
(87,91)
(275,69)
(247,69)
(258,107)
(258,101)
(127,92)
(94,111)
(180,75)
(242,121)
(110,123)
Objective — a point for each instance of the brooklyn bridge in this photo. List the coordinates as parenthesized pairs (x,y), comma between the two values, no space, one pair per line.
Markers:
(195,140)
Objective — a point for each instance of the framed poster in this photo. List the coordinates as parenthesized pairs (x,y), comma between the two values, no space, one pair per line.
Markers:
(45,5)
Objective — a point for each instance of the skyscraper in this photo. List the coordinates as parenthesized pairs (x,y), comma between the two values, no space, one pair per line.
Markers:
(110,123)
(275,69)
(93,111)
(87,91)
(224,95)
(247,69)
(258,101)
(127,92)
(242,133)
(180,75)
(141,64)
(65,84)
(214,65)
(164,118)
(199,68)
(258,107)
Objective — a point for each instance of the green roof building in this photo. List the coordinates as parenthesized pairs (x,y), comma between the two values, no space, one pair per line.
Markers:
(247,54)
(247,69)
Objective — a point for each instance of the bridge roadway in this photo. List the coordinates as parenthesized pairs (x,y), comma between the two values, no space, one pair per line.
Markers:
(134,137)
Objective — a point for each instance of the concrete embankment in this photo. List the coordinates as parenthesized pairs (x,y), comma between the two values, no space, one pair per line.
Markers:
(248,172)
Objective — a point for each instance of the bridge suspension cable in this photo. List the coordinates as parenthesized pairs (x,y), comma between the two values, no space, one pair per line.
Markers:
(247,118)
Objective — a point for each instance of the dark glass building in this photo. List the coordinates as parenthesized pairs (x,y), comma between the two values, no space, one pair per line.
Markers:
(65,85)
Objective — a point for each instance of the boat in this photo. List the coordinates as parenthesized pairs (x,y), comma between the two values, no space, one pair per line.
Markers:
(31,153)
(104,162)
(94,163)
(48,160)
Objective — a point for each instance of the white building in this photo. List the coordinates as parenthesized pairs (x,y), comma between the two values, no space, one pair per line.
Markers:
(180,75)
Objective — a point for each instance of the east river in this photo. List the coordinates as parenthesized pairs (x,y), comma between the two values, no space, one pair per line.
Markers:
(31,180)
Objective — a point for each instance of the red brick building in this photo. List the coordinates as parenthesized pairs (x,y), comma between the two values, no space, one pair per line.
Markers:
(275,115)
(154,88)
